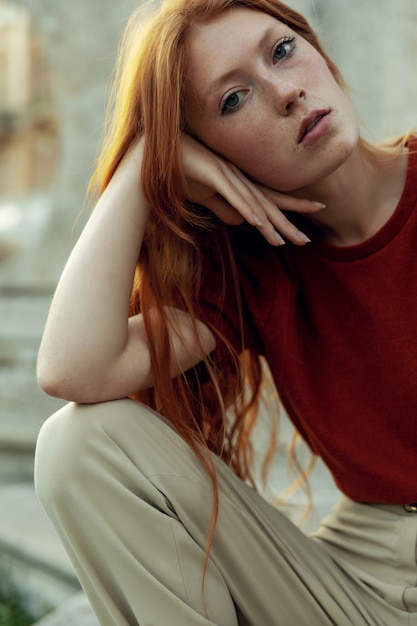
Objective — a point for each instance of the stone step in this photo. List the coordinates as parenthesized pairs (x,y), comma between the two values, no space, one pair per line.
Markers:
(24,407)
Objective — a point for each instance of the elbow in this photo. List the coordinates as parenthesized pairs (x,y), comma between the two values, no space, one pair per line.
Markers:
(65,386)
(53,374)
(54,386)
(57,386)
(48,381)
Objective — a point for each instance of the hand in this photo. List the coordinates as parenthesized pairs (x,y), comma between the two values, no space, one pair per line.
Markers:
(221,187)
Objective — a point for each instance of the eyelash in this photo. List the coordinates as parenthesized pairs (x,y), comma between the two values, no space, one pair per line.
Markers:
(285,40)
(282,42)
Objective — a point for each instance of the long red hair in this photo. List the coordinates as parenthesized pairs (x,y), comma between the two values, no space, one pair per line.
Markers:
(215,413)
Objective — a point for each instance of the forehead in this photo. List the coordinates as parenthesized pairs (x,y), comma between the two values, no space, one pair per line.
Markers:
(216,46)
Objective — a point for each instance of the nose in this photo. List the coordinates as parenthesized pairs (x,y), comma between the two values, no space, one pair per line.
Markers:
(286,95)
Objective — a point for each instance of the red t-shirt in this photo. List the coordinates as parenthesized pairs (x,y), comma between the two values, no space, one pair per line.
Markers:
(337,326)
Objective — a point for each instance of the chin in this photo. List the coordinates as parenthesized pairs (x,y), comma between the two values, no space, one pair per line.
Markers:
(343,151)
(337,156)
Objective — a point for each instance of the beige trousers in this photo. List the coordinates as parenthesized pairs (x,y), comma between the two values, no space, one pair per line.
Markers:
(132,504)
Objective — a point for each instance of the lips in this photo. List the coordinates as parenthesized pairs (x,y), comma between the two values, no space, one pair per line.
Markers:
(310,122)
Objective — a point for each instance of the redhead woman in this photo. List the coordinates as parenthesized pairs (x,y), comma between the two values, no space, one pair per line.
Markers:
(241,219)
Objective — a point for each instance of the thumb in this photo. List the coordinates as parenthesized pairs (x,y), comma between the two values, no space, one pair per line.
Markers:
(223,210)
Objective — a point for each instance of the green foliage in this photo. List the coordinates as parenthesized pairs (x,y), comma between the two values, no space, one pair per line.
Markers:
(11,611)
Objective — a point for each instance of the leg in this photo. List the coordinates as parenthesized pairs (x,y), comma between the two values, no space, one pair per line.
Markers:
(376,545)
(132,505)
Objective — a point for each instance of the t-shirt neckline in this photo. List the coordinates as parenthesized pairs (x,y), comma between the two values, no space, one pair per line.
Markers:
(389,230)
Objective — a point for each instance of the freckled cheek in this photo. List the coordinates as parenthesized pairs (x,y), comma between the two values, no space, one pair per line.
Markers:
(258,153)
(244,143)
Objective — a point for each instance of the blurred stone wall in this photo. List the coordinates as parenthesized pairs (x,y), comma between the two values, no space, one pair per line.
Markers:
(374,43)
(80,40)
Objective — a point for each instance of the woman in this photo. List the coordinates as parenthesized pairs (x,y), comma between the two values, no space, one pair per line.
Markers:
(225,115)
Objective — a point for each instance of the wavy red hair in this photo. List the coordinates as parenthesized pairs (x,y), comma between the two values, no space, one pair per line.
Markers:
(148,100)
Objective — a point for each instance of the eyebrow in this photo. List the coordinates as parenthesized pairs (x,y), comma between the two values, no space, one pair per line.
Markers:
(223,78)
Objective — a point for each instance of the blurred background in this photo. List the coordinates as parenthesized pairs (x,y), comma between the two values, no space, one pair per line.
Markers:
(55,62)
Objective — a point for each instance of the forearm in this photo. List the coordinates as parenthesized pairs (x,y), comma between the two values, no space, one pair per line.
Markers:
(87,327)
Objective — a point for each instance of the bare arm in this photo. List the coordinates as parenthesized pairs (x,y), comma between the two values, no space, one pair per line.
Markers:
(90,350)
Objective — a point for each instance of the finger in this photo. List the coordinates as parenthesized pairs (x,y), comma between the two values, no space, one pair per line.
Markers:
(290,203)
(243,196)
(224,211)
(236,193)
(246,198)
(266,216)
(274,222)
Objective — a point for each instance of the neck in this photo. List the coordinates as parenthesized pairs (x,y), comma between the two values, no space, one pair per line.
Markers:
(360,197)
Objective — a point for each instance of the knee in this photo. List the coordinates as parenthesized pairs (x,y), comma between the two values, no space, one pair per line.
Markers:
(84,450)
(57,451)
(71,446)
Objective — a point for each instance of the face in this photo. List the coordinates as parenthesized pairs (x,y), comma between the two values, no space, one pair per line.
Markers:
(263,98)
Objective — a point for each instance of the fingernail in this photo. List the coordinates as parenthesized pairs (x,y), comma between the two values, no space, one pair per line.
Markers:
(278,238)
(257,219)
(319,205)
(302,237)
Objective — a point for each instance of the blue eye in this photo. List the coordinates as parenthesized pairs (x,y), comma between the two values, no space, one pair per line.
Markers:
(284,48)
(231,102)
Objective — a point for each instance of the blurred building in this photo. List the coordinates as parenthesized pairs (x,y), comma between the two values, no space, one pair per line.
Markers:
(26,120)
(15,64)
